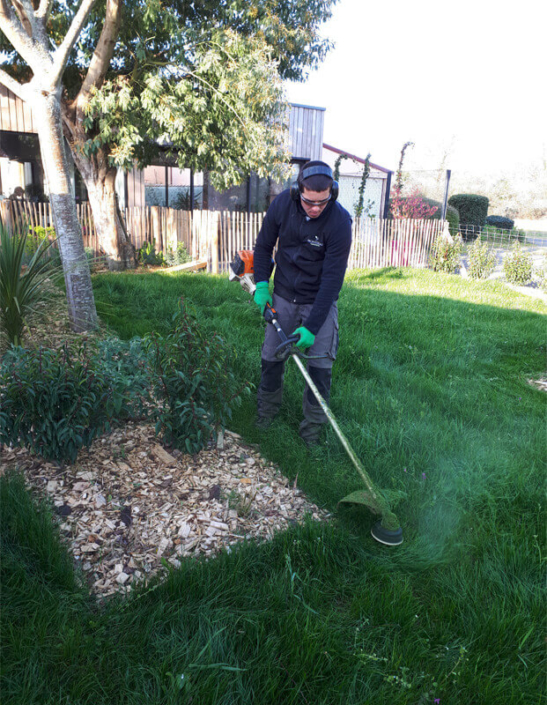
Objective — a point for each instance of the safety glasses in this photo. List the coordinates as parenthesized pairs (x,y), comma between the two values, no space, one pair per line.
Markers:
(319,204)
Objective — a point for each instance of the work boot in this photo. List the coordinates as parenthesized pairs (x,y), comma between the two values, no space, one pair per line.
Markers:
(263,422)
(310,433)
(314,416)
(270,393)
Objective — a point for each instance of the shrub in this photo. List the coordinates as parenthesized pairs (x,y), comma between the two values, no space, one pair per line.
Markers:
(21,290)
(499,222)
(517,266)
(148,257)
(452,215)
(57,401)
(413,206)
(517,234)
(541,274)
(472,209)
(195,386)
(482,260)
(445,255)
(178,256)
(94,260)
(36,236)
(183,201)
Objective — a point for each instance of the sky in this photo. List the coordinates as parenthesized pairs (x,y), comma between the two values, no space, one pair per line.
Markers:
(466,82)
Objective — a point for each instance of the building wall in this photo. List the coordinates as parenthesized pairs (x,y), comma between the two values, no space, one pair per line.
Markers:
(351,171)
(349,194)
(306,125)
(15,114)
(305,142)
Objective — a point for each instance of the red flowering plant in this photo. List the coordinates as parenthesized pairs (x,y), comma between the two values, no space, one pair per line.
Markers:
(412,206)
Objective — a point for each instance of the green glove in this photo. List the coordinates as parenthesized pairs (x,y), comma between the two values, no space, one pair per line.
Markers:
(262,295)
(307,339)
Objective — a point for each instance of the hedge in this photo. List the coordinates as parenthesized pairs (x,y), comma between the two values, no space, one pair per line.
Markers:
(452,215)
(473,209)
(499,222)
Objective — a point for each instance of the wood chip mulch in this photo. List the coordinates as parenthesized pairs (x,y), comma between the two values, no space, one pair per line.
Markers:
(539,383)
(129,509)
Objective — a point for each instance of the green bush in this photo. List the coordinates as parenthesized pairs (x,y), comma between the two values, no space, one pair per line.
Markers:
(94,261)
(178,256)
(541,274)
(452,215)
(473,210)
(481,260)
(517,266)
(499,222)
(36,236)
(148,257)
(55,402)
(195,385)
(445,255)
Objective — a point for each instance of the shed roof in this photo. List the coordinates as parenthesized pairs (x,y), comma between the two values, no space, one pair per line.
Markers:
(356,158)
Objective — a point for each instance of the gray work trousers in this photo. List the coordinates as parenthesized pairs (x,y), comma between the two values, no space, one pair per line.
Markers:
(270,390)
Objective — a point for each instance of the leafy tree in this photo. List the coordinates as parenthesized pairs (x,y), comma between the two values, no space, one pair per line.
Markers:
(39,66)
(197,82)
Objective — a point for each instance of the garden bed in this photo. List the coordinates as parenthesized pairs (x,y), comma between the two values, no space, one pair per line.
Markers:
(130,509)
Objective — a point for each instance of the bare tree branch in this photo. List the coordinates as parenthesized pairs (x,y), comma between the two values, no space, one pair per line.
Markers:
(103,53)
(22,15)
(12,85)
(44,9)
(61,55)
(18,36)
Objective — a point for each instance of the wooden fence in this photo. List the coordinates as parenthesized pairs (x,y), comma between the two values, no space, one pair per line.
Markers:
(393,243)
(216,236)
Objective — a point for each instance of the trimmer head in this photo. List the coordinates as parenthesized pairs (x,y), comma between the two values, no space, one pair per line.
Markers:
(388,538)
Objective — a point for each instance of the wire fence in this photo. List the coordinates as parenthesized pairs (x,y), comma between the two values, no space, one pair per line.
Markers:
(499,237)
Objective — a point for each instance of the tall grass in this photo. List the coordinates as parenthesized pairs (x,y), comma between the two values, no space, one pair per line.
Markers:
(431,387)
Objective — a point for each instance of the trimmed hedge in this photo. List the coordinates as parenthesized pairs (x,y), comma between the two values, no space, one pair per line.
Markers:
(499,222)
(452,215)
(473,210)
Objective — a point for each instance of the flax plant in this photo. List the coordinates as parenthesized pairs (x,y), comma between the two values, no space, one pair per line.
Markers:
(22,289)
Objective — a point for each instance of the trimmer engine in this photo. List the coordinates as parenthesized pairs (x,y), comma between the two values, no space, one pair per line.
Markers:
(242,270)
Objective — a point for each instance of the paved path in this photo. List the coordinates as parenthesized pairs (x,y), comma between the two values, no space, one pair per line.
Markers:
(536,241)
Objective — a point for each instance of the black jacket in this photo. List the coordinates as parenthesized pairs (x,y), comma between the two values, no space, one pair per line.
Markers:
(312,254)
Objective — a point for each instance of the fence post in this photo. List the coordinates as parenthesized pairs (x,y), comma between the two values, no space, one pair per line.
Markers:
(214,244)
(155,222)
(445,200)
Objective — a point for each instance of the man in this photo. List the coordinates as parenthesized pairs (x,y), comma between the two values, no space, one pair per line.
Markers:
(313,236)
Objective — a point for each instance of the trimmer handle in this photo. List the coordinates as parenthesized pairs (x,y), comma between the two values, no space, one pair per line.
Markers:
(284,349)
(270,314)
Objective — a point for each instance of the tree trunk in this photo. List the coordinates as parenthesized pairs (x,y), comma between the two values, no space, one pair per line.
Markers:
(79,291)
(100,180)
(107,218)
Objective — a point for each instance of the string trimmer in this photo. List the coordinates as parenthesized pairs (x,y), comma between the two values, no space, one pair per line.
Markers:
(387,530)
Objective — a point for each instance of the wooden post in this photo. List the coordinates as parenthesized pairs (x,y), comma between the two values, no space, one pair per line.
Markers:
(155,229)
(214,225)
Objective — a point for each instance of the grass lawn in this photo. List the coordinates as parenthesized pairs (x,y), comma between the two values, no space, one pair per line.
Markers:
(430,386)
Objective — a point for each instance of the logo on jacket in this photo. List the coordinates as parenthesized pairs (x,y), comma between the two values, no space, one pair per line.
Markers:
(315,242)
